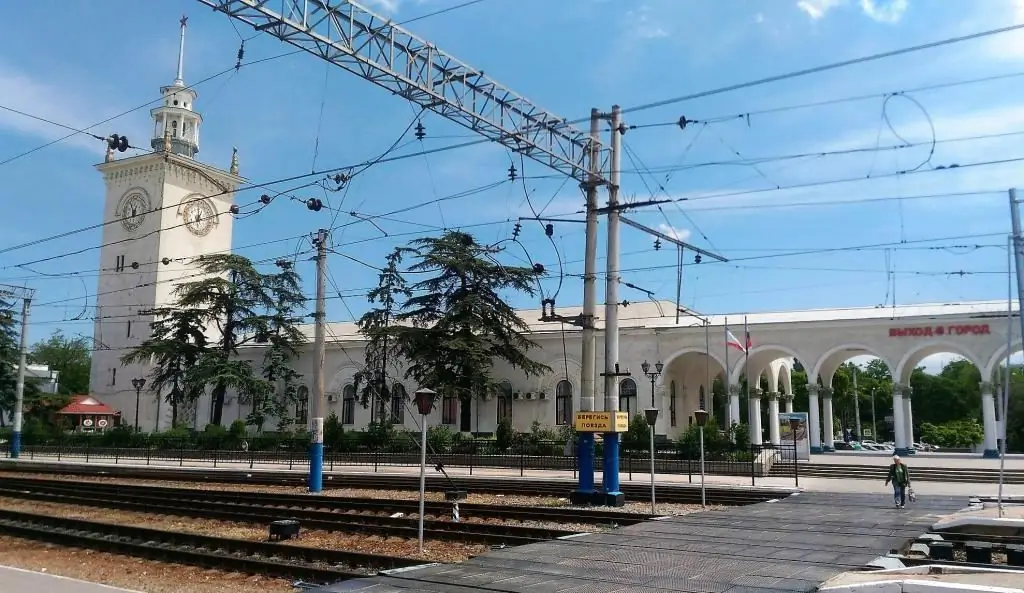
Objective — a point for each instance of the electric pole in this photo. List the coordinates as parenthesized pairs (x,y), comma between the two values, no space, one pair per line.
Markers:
(1018,251)
(316,450)
(25,294)
(856,405)
(874,427)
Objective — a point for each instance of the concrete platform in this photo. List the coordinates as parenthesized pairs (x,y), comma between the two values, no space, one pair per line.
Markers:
(789,545)
(16,580)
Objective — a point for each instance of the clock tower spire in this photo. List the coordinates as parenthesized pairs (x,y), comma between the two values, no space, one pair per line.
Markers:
(176,118)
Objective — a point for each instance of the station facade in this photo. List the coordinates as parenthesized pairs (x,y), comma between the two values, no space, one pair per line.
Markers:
(692,357)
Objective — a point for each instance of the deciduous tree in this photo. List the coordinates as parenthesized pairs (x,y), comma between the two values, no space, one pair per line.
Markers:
(69,356)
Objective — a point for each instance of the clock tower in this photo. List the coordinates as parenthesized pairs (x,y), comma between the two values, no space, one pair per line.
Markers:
(162,209)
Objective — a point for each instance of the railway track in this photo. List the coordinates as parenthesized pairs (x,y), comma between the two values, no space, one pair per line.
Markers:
(336,507)
(279,560)
(253,508)
(674,493)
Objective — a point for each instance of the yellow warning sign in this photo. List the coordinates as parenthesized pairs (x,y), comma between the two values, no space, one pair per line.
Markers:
(602,421)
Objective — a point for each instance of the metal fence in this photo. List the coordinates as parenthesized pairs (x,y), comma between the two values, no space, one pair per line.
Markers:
(523,454)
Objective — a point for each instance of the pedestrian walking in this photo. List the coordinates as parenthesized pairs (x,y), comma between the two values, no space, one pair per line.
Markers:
(899,475)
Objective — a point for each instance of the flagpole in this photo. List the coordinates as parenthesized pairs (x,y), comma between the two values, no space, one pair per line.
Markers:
(746,369)
(728,390)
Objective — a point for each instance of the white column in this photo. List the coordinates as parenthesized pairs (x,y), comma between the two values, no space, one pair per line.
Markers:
(756,435)
(661,402)
(813,418)
(908,417)
(828,429)
(773,417)
(789,402)
(734,404)
(898,423)
(988,415)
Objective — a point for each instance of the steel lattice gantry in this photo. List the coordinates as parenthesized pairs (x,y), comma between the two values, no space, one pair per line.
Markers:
(370,46)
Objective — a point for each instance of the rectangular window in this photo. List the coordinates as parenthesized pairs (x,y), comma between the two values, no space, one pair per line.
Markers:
(348,411)
(627,404)
(302,410)
(672,403)
(504,405)
(449,410)
(129,328)
(113,376)
(119,264)
(563,402)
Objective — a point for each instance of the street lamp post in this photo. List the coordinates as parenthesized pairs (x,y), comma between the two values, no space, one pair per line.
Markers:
(138,383)
(702,419)
(424,404)
(651,414)
(794,425)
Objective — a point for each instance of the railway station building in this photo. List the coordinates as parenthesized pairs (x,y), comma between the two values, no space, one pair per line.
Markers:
(693,356)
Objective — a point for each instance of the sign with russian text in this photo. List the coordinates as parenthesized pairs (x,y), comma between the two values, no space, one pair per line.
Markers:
(802,436)
(602,421)
(929,331)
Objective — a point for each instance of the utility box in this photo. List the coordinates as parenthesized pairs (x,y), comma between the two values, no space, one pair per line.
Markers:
(284,529)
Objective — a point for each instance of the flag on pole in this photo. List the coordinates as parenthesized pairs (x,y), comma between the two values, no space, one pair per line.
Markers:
(733,342)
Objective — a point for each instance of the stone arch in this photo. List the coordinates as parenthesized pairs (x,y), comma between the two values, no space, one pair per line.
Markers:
(549,382)
(988,372)
(758,360)
(343,375)
(915,355)
(717,366)
(848,351)
(785,371)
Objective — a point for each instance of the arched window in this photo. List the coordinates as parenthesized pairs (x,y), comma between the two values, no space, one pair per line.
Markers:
(398,398)
(702,404)
(302,405)
(563,402)
(348,404)
(627,397)
(504,402)
(672,402)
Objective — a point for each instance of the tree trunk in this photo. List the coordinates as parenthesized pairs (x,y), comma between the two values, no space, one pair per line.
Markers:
(227,341)
(219,391)
(174,415)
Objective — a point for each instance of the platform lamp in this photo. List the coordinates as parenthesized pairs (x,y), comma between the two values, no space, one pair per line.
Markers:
(702,420)
(651,415)
(794,425)
(138,383)
(424,399)
(652,375)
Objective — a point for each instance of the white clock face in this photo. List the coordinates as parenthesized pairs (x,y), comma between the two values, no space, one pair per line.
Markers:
(132,210)
(199,216)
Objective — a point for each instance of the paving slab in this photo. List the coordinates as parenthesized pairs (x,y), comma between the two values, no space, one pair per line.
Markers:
(790,545)
(17,580)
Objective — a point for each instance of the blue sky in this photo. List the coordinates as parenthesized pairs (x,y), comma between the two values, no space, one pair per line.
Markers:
(290,115)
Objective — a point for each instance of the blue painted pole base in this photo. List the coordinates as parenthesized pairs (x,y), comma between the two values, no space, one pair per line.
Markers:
(827,450)
(584,493)
(316,467)
(612,495)
(816,450)
(902,451)
(15,445)
(990,454)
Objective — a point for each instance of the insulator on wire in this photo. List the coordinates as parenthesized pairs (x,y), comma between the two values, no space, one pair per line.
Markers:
(118,143)
(657,244)
(697,258)
(538,269)
(512,173)
(265,199)
(314,204)
(421,131)
(549,229)
(234,209)
(241,54)
(166,261)
(516,229)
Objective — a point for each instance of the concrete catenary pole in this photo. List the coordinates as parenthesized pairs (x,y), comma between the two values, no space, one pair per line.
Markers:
(611,313)
(585,448)
(19,401)
(316,449)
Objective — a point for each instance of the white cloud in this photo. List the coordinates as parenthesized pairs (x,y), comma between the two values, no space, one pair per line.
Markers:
(884,11)
(674,232)
(642,26)
(33,96)
(817,9)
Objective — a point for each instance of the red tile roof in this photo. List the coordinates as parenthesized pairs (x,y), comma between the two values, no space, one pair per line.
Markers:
(86,404)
